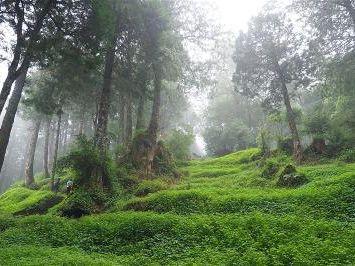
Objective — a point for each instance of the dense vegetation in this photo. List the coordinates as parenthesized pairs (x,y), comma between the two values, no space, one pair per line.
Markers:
(140,132)
(226,211)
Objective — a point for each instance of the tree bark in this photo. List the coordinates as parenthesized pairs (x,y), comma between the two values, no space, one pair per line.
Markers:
(81,122)
(122,122)
(154,120)
(9,117)
(104,105)
(129,122)
(29,178)
(140,113)
(297,147)
(14,71)
(55,156)
(46,147)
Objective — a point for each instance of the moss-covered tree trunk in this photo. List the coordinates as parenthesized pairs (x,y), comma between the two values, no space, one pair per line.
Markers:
(29,177)
(140,113)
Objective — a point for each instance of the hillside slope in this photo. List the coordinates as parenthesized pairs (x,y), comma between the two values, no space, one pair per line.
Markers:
(225,212)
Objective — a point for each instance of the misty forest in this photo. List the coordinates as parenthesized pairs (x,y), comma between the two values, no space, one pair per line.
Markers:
(147,132)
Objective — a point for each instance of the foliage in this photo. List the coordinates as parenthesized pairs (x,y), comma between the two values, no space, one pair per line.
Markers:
(150,186)
(225,138)
(347,156)
(223,207)
(179,142)
(289,177)
(84,160)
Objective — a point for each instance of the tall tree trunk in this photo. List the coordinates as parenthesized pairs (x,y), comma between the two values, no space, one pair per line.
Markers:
(65,135)
(55,156)
(154,120)
(151,148)
(9,117)
(129,122)
(51,145)
(104,106)
(297,147)
(140,113)
(122,121)
(29,178)
(14,71)
(46,147)
(81,122)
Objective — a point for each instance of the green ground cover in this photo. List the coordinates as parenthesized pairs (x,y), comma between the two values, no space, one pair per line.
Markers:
(224,212)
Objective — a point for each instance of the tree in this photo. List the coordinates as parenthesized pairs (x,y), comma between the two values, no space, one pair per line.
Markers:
(29,178)
(269,63)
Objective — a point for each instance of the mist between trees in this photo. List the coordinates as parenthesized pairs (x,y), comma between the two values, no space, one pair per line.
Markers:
(123,74)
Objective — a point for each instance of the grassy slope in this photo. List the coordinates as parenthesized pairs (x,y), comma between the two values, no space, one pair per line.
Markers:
(223,213)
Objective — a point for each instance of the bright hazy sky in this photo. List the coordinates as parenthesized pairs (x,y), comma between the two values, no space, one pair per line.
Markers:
(233,14)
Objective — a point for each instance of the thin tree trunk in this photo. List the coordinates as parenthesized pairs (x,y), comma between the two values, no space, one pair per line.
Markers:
(14,72)
(29,178)
(122,121)
(129,122)
(65,135)
(51,145)
(81,122)
(9,117)
(56,148)
(140,113)
(46,147)
(297,147)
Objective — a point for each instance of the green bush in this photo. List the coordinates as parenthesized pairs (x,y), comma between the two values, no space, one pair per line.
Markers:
(84,159)
(270,169)
(285,145)
(77,204)
(150,186)
(290,178)
(347,156)
(126,180)
(178,142)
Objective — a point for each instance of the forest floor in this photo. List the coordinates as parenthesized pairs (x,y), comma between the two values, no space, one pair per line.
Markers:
(223,212)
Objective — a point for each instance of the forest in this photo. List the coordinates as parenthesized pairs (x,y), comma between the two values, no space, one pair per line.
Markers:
(177,132)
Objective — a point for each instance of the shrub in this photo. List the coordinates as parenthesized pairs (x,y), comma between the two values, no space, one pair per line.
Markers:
(347,156)
(84,159)
(290,178)
(285,145)
(179,142)
(150,186)
(270,169)
(77,204)
(126,180)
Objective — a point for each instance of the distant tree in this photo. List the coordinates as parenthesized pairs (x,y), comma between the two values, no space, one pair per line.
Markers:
(179,143)
(269,64)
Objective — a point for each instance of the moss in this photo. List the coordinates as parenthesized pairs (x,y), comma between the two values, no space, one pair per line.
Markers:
(223,213)
(20,198)
(150,186)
